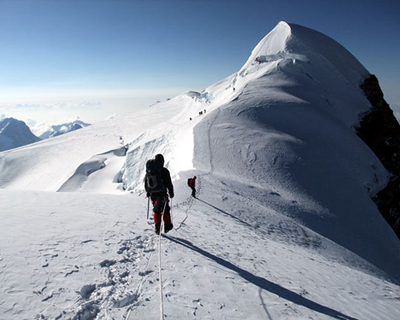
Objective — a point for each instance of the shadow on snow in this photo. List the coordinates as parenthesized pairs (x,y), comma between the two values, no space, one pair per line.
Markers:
(224,212)
(263,283)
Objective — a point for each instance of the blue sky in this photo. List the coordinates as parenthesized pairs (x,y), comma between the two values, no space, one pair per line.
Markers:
(62,59)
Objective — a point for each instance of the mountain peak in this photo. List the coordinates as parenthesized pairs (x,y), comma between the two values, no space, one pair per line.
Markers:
(274,42)
(60,129)
(292,42)
(15,133)
(315,45)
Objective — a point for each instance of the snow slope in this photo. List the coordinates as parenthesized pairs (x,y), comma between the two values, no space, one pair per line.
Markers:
(283,226)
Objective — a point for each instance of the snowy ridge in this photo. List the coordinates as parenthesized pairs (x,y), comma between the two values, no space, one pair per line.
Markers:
(283,226)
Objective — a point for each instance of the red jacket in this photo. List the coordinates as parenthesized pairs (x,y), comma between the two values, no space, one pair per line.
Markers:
(192,182)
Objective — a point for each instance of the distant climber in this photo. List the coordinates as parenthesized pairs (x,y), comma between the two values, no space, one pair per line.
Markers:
(192,184)
(158,185)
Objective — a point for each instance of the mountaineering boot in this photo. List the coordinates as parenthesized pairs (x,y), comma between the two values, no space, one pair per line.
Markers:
(157,229)
(168,227)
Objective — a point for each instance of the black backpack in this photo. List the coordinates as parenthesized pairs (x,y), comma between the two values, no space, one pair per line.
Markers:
(153,177)
(188,182)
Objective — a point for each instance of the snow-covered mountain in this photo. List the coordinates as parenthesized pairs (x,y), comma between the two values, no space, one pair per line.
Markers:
(56,130)
(284,226)
(15,133)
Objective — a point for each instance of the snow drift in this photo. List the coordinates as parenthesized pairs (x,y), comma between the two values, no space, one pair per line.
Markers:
(284,221)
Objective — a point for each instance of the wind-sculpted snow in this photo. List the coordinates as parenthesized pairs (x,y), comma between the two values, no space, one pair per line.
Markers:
(309,46)
(203,97)
(98,162)
(133,173)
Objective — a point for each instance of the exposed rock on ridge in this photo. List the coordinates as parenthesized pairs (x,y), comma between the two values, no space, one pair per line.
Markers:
(380,130)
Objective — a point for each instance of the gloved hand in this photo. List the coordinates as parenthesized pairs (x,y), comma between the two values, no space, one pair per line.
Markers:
(171,195)
(147,194)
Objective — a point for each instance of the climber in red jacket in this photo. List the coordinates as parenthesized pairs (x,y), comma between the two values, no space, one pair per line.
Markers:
(192,185)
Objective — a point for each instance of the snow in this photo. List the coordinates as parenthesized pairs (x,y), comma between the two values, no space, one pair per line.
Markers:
(46,131)
(15,133)
(283,226)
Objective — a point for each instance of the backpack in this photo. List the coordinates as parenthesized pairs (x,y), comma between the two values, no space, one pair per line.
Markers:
(153,177)
(189,181)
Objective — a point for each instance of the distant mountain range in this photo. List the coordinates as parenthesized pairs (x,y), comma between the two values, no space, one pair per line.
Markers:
(60,129)
(15,133)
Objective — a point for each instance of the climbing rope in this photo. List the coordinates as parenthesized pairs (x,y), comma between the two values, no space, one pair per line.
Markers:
(190,202)
(139,288)
(160,281)
(160,264)
(186,216)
